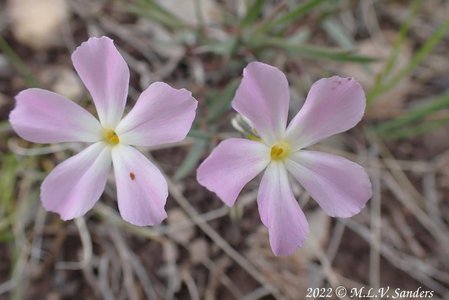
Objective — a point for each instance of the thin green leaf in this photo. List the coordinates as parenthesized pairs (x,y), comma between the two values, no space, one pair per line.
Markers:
(192,159)
(4,127)
(226,47)
(338,33)
(299,37)
(318,52)
(419,56)
(291,16)
(420,129)
(195,133)
(416,115)
(152,10)
(399,41)
(219,101)
(252,13)
(17,62)
(8,174)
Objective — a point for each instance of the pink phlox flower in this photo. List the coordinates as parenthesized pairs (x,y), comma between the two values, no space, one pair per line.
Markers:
(340,187)
(161,115)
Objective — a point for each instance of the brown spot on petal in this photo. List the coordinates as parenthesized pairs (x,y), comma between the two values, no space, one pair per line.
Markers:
(132,176)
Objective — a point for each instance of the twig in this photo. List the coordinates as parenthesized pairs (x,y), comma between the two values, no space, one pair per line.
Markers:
(376,223)
(86,242)
(212,234)
(125,258)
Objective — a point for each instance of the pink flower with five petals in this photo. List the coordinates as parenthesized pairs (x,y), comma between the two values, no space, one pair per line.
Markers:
(161,115)
(340,186)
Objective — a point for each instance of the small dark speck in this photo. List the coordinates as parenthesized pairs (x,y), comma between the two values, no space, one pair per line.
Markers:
(132,176)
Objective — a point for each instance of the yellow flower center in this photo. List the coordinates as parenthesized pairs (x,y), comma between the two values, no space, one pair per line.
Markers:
(111,137)
(280,150)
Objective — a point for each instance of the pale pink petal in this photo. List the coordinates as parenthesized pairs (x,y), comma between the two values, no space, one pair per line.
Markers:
(231,165)
(42,116)
(263,98)
(280,212)
(333,105)
(76,184)
(340,186)
(161,115)
(141,188)
(106,75)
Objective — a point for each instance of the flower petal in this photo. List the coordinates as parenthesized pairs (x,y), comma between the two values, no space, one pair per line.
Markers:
(42,116)
(161,115)
(106,75)
(232,164)
(76,184)
(280,212)
(263,98)
(333,105)
(141,188)
(340,186)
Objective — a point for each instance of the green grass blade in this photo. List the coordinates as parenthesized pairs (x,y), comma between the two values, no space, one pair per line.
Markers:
(219,101)
(152,10)
(420,129)
(419,56)
(192,159)
(416,115)
(335,30)
(8,174)
(226,47)
(252,13)
(17,62)
(405,28)
(399,41)
(318,52)
(291,16)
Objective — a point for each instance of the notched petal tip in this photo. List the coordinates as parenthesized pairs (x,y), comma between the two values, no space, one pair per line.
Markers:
(162,115)
(259,66)
(143,223)
(104,72)
(263,98)
(91,40)
(333,105)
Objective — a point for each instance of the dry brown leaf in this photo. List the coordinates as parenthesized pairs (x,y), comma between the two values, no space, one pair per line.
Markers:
(319,224)
(199,250)
(178,219)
